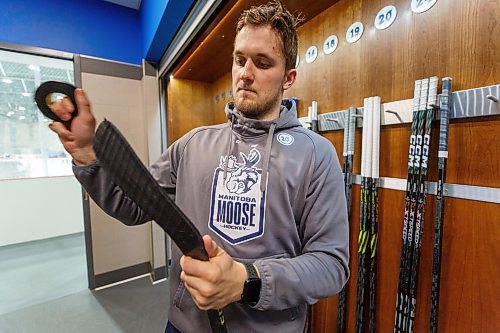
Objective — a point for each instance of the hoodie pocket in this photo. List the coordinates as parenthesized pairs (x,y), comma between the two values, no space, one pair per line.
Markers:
(179,295)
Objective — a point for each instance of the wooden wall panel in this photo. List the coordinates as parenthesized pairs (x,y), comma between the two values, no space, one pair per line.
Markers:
(473,160)
(221,85)
(457,38)
(474,152)
(469,293)
(218,42)
(190,105)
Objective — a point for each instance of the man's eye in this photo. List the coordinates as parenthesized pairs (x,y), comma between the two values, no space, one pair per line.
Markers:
(263,65)
(239,61)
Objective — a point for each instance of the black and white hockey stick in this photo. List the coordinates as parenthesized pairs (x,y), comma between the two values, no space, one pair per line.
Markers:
(424,143)
(445,109)
(375,109)
(401,299)
(349,136)
(364,218)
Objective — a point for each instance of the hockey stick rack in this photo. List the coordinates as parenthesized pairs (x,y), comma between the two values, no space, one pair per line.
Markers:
(478,102)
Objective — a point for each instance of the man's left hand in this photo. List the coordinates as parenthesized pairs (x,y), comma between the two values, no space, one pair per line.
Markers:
(215,283)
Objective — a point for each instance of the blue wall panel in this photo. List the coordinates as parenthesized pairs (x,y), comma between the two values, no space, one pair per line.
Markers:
(94,27)
(171,18)
(151,13)
(89,27)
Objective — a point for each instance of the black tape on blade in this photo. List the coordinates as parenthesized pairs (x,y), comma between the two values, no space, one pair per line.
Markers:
(42,98)
(127,171)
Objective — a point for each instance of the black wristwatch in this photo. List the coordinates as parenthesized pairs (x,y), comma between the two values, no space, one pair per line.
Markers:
(251,288)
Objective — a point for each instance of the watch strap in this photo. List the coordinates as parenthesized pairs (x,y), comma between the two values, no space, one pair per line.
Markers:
(251,271)
(251,288)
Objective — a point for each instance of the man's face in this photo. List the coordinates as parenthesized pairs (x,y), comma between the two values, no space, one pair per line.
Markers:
(259,75)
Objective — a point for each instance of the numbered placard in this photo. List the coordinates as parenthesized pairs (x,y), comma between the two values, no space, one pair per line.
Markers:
(420,6)
(311,54)
(330,44)
(354,32)
(385,17)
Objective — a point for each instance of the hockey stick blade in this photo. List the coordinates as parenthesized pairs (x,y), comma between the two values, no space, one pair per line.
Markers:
(127,171)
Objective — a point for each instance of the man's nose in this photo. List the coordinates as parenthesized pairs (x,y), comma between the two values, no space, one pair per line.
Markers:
(247,72)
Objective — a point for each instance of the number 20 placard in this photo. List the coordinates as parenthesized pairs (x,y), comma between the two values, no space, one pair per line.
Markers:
(385,17)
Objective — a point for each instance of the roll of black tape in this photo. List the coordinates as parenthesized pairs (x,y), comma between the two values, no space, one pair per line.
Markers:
(43,98)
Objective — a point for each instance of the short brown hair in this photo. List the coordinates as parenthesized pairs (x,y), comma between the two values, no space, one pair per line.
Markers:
(281,21)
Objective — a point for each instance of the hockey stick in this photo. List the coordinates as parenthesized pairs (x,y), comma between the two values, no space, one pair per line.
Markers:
(444,106)
(127,171)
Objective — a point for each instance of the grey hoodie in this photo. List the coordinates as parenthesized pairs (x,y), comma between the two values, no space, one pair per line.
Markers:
(268,192)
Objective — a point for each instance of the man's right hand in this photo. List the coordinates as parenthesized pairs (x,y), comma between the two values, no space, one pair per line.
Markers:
(77,140)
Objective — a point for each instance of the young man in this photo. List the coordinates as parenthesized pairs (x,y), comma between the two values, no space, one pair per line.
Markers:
(266,193)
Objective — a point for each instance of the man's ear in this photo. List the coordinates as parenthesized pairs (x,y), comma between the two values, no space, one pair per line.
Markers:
(290,77)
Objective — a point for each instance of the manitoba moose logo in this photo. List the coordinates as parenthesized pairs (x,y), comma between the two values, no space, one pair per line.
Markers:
(237,205)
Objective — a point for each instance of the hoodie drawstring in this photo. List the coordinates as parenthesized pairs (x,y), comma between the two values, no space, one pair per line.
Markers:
(267,156)
(228,151)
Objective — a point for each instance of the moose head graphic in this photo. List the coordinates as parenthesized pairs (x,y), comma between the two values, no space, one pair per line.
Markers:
(241,176)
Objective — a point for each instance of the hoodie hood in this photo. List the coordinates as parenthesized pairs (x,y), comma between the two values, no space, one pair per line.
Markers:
(252,127)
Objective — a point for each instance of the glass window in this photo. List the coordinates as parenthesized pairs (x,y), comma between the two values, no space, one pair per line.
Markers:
(28,148)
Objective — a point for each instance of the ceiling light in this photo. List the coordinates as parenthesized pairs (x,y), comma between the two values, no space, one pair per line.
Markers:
(22,108)
(25,94)
(22,117)
(34,68)
(6,80)
(171,77)
(10,113)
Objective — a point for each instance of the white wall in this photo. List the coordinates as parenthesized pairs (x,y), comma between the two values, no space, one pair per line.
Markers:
(39,208)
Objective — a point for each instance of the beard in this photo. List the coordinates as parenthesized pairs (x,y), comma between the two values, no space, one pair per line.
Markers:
(251,108)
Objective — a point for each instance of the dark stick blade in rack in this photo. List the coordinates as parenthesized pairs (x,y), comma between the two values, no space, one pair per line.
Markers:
(127,171)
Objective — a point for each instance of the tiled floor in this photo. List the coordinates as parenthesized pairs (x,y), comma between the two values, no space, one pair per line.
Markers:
(40,271)
(34,299)
(135,307)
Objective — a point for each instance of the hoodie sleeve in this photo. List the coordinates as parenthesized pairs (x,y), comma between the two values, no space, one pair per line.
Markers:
(110,197)
(321,270)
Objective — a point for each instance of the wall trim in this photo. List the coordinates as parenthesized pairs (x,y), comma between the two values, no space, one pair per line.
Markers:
(149,68)
(459,191)
(158,273)
(111,68)
(36,51)
(121,274)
